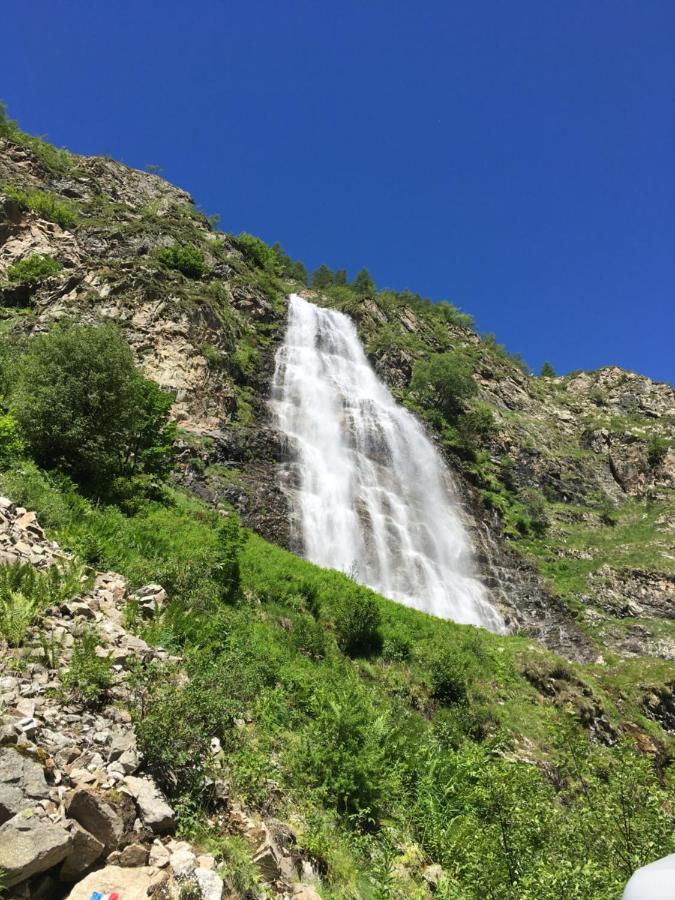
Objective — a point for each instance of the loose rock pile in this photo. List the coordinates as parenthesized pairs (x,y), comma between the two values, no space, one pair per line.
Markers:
(77,811)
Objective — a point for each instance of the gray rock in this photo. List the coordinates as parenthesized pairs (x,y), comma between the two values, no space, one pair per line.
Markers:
(154,811)
(85,851)
(97,816)
(29,845)
(210,884)
(183,863)
(130,884)
(159,855)
(133,855)
(22,781)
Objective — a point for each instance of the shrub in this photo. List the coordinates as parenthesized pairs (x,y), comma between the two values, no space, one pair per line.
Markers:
(344,751)
(257,252)
(357,622)
(309,637)
(228,571)
(11,445)
(445,382)
(84,407)
(183,258)
(447,681)
(547,371)
(90,676)
(396,647)
(33,267)
(47,205)
(657,451)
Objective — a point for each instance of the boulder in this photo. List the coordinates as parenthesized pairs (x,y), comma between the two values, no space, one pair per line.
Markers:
(22,781)
(154,811)
(305,892)
(29,845)
(210,884)
(95,814)
(130,884)
(84,852)
(134,855)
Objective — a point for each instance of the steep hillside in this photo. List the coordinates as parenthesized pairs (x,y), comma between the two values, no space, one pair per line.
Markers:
(391,754)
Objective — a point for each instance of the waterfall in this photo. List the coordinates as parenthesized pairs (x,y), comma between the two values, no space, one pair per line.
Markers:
(369,493)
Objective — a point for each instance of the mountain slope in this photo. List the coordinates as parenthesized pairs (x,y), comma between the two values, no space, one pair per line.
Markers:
(441,739)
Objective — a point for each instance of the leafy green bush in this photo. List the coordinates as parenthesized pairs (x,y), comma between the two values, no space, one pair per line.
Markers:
(183,258)
(33,267)
(447,678)
(257,252)
(11,445)
(444,381)
(357,622)
(89,676)
(46,204)
(547,371)
(345,750)
(83,407)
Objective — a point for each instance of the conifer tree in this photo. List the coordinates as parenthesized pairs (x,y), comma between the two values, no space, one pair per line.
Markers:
(363,283)
(322,278)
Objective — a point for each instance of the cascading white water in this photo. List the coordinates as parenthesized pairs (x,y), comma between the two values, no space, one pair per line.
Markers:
(370,494)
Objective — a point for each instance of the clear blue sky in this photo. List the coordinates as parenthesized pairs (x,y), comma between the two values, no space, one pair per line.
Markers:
(516,158)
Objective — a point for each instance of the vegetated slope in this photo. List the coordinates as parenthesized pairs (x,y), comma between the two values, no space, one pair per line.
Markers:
(410,742)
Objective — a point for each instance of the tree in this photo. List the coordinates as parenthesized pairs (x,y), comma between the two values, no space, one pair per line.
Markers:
(363,283)
(298,271)
(341,277)
(444,381)
(547,370)
(322,278)
(84,407)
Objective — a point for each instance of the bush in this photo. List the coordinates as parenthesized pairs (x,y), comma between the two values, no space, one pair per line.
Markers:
(258,252)
(33,267)
(90,676)
(11,445)
(547,371)
(444,381)
(344,751)
(183,258)
(47,205)
(447,681)
(357,622)
(657,451)
(228,572)
(83,407)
